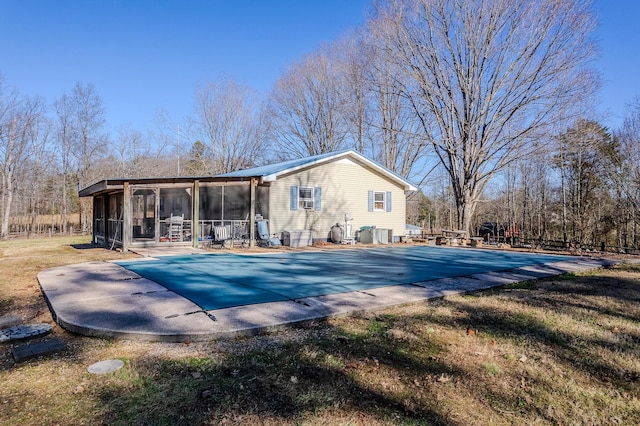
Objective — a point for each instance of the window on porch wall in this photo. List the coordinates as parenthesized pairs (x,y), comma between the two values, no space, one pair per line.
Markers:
(225,206)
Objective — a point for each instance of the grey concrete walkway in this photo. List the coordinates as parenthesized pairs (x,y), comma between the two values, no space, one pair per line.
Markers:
(106,300)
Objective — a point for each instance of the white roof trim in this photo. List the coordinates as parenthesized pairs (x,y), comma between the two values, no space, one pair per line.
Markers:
(407,186)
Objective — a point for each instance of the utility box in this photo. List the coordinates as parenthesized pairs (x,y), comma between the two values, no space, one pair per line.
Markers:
(374,236)
(297,238)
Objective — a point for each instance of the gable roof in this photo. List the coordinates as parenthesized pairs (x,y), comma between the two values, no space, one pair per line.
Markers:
(272,172)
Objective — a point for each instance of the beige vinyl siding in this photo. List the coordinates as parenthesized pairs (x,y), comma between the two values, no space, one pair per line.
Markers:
(345,188)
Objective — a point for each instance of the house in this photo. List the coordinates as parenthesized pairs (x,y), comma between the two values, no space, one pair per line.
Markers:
(312,194)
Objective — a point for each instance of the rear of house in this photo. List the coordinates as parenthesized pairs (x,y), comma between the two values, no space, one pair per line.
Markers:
(307,195)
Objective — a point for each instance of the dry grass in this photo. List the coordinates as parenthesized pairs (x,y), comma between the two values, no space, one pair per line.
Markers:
(555,351)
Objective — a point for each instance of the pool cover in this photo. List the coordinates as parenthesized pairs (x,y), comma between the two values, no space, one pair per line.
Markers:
(223,280)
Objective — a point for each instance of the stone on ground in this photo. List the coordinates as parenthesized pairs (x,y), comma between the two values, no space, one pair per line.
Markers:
(24,331)
(37,348)
(7,321)
(104,367)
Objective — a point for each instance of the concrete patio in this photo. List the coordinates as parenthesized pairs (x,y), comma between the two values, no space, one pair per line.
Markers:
(104,299)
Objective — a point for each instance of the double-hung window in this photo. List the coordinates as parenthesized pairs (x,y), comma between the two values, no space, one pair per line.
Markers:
(379,201)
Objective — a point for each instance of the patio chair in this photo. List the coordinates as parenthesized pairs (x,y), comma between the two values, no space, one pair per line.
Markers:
(264,238)
(221,235)
(176,227)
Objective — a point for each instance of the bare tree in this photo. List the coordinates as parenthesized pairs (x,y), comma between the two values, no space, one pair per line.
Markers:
(398,138)
(353,59)
(624,177)
(536,185)
(581,159)
(90,139)
(306,106)
(36,170)
(81,142)
(486,78)
(169,138)
(226,121)
(18,118)
(629,137)
(130,154)
(64,135)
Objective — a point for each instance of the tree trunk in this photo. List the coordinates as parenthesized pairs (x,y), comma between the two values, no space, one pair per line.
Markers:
(65,210)
(7,191)
(465,208)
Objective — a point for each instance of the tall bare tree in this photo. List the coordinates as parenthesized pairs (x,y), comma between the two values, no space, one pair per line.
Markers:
(81,141)
(581,158)
(486,78)
(18,118)
(64,135)
(226,120)
(624,177)
(353,60)
(130,154)
(90,139)
(398,140)
(629,137)
(170,139)
(37,170)
(305,108)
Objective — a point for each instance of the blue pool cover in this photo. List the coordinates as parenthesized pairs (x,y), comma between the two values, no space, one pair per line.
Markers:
(223,280)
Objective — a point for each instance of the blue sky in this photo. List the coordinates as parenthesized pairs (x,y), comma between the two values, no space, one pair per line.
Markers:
(143,56)
(619,62)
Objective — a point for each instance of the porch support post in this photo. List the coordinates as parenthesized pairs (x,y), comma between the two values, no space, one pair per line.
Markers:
(126,217)
(107,202)
(94,221)
(195,223)
(252,213)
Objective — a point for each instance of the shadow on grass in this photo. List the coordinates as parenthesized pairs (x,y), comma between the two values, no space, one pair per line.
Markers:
(581,344)
(86,246)
(286,385)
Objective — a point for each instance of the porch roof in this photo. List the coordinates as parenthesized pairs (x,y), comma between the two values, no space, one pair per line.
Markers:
(117,184)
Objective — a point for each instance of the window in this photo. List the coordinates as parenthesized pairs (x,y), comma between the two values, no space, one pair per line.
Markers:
(306,198)
(379,201)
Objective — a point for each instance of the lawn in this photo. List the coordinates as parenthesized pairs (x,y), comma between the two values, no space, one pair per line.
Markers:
(564,350)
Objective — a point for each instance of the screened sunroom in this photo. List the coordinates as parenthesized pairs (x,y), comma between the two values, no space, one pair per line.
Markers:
(174,211)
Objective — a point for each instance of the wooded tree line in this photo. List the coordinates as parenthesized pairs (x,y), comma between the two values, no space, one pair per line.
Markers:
(483,104)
